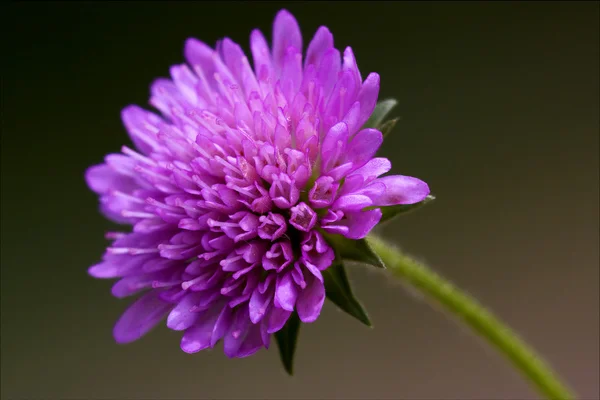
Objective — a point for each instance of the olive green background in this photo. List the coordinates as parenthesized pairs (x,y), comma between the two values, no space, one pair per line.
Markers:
(499,104)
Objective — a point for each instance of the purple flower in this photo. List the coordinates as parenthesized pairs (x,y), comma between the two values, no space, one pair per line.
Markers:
(233,188)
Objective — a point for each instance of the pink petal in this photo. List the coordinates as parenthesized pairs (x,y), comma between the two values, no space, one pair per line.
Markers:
(286,33)
(372,169)
(321,42)
(367,96)
(286,292)
(102,179)
(402,190)
(222,325)
(182,316)
(310,301)
(140,318)
(260,53)
(277,319)
(364,146)
(198,337)
(136,121)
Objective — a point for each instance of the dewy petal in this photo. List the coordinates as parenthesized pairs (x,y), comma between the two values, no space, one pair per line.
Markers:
(286,33)
(140,317)
(401,190)
(310,301)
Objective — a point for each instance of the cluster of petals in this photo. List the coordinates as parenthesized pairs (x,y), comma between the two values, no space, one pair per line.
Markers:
(232,188)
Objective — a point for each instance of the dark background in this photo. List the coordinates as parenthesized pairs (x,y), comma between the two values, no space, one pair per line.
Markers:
(499,104)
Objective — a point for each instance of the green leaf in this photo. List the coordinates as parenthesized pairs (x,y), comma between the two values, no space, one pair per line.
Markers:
(389,212)
(387,126)
(286,341)
(381,110)
(339,292)
(354,250)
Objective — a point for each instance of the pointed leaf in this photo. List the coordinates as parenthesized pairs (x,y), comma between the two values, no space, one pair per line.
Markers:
(381,110)
(387,126)
(354,250)
(339,292)
(387,213)
(286,341)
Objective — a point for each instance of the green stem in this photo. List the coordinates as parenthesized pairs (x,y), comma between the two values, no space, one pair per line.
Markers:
(475,316)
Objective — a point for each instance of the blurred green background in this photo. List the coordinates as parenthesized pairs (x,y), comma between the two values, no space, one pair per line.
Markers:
(499,104)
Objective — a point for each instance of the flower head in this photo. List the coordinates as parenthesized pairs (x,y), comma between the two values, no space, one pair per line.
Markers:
(232,190)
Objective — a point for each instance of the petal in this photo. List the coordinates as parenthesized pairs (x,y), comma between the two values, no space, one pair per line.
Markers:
(402,190)
(351,202)
(222,325)
(260,53)
(286,292)
(350,64)
(313,270)
(105,270)
(291,74)
(182,317)
(141,126)
(199,54)
(277,319)
(237,333)
(252,343)
(355,225)
(232,56)
(360,223)
(130,285)
(334,145)
(320,43)
(367,96)
(328,70)
(364,146)
(353,118)
(140,317)
(102,179)
(286,33)
(258,305)
(198,337)
(372,169)
(342,96)
(310,301)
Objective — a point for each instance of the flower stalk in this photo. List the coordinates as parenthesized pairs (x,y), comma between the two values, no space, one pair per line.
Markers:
(475,316)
